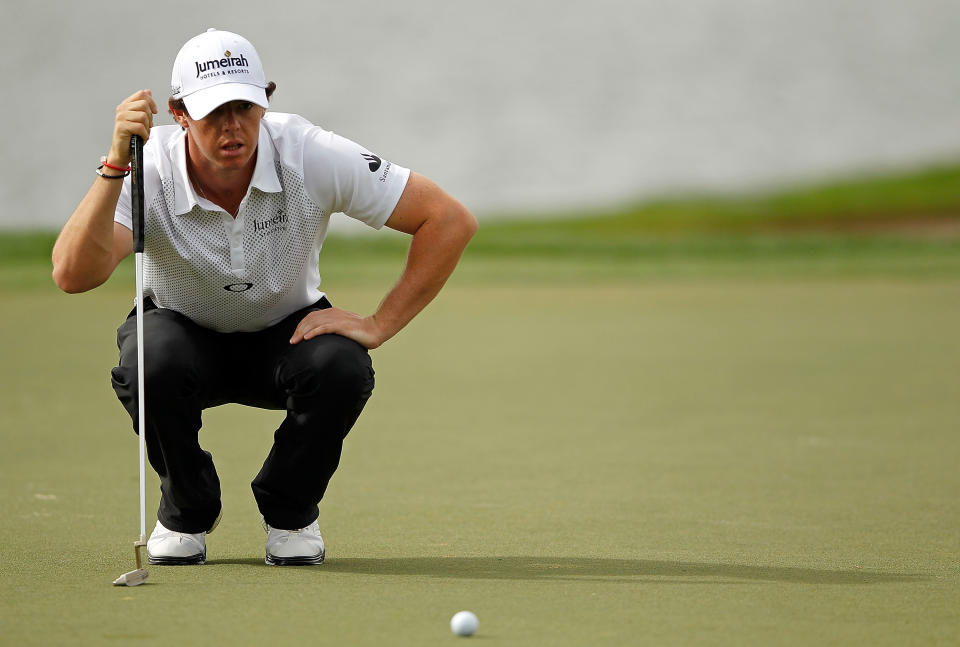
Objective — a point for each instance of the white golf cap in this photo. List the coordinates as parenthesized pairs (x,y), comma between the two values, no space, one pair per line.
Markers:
(214,68)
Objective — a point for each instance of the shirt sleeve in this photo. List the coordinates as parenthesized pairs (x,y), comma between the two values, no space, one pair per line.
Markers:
(345,177)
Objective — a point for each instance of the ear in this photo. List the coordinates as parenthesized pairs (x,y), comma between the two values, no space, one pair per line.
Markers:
(178,114)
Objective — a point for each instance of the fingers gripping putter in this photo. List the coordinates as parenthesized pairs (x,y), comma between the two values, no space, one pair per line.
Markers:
(138,576)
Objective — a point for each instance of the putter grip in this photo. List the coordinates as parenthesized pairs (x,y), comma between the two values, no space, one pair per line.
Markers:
(136,190)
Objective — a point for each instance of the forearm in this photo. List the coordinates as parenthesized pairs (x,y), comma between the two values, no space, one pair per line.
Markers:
(90,245)
(83,256)
(435,250)
(441,228)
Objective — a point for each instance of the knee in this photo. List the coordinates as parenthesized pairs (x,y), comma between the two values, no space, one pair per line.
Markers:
(168,359)
(167,379)
(343,365)
(167,371)
(332,364)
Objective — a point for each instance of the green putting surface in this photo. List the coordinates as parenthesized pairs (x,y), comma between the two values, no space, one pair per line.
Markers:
(702,457)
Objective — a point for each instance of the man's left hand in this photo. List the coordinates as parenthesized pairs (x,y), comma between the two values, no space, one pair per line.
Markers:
(363,330)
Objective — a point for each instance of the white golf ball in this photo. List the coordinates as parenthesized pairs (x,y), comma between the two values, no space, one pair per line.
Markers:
(464,623)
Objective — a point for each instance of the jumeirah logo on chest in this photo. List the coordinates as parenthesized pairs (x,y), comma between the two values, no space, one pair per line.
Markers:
(271,225)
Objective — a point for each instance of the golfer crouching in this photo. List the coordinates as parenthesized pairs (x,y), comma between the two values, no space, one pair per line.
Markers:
(237,205)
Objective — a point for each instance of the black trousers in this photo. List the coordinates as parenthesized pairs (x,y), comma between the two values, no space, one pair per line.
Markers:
(322,384)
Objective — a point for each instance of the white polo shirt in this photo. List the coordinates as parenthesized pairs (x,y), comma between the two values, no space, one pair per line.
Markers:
(249,272)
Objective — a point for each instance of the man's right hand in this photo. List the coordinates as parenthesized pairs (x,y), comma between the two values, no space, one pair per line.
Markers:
(134,117)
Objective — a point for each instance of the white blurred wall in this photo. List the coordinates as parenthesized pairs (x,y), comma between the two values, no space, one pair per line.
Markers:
(526,104)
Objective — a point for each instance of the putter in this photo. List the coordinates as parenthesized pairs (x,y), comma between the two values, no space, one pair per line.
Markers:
(140,575)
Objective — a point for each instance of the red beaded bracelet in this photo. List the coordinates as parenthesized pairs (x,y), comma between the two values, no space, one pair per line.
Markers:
(104,162)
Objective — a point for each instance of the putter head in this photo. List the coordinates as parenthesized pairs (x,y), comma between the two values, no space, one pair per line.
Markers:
(133,578)
(139,576)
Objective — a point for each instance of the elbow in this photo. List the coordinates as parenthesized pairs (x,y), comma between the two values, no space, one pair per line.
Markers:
(70,282)
(66,282)
(452,221)
(471,224)
(466,223)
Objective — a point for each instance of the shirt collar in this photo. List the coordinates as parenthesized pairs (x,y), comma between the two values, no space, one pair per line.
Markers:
(264,175)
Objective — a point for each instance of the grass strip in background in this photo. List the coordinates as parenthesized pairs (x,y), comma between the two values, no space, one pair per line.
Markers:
(905,224)
(868,202)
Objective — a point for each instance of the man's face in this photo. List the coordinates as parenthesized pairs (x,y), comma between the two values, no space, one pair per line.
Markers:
(227,137)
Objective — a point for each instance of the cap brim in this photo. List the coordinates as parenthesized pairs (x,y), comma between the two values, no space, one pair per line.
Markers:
(203,102)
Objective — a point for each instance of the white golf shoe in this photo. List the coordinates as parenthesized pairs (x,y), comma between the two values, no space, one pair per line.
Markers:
(171,548)
(301,547)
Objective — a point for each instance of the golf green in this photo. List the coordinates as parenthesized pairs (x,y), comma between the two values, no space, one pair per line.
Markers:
(692,460)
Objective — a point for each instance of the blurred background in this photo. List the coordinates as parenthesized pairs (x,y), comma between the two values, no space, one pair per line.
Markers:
(520,107)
